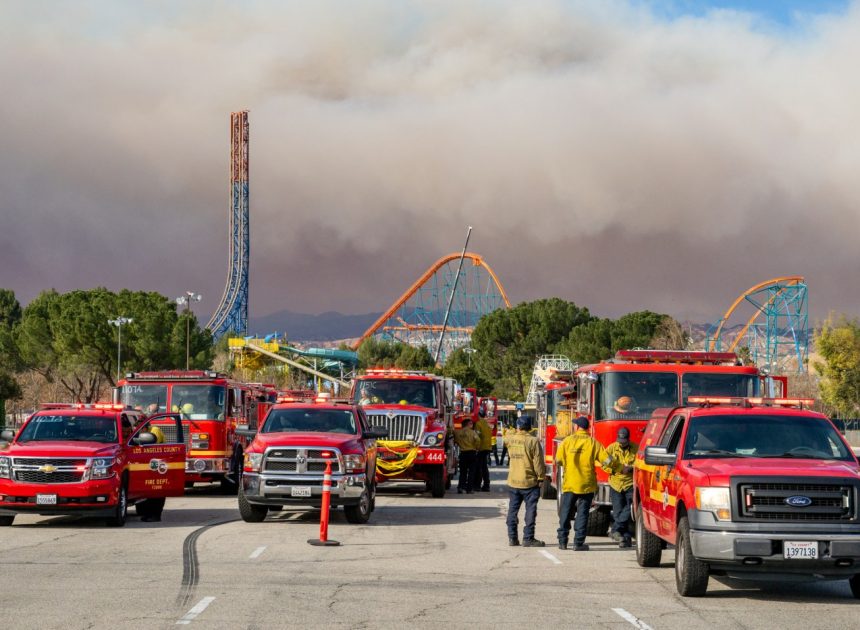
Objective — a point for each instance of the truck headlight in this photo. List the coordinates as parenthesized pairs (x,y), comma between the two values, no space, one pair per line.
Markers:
(354,463)
(5,468)
(253,461)
(102,468)
(432,439)
(715,500)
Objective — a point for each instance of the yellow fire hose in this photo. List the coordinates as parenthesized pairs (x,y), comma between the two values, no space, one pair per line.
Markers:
(406,451)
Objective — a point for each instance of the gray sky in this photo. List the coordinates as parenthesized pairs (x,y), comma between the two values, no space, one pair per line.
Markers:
(604,152)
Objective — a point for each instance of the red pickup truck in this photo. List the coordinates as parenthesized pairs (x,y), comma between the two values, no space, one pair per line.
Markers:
(89,459)
(285,463)
(747,488)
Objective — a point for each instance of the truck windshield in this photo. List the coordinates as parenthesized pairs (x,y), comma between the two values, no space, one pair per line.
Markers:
(146,398)
(764,436)
(44,428)
(199,402)
(634,395)
(719,385)
(313,420)
(396,392)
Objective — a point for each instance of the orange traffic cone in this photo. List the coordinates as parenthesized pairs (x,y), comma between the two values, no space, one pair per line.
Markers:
(326,504)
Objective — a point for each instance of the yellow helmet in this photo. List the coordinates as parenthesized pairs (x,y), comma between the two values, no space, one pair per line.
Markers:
(187,408)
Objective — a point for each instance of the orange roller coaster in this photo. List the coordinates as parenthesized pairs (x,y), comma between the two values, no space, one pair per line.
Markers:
(416,317)
(777,332)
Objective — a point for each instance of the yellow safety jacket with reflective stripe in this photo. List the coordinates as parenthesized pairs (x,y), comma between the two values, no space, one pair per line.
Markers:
(527,468)
(618,480)
(486,434)
(579,453)
(467,439)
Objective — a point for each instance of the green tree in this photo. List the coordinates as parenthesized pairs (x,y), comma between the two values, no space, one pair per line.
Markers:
(601,339)
(67,338)
(460,367)
(10,362)
(509,341)
(375,352)
(838,343)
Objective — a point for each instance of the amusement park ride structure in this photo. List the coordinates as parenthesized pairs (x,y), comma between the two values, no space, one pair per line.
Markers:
(232,312)
(776,333)
(416,317)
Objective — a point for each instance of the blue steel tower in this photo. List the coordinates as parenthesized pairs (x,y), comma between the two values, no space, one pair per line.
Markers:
(232,312)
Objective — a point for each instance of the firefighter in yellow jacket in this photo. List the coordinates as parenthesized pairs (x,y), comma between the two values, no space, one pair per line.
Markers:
(482,479)
(578,453)
(620,470)
(525,474)
(469,441)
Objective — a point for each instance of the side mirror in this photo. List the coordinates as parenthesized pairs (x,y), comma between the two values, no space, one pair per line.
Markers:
(145,438)
(7,435)
(659,456)
(245,430)
(376,433)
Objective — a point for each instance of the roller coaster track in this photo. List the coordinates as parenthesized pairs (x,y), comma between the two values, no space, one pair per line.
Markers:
(418,311)
(786,300)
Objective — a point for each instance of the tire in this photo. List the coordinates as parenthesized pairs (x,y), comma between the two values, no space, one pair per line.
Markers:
(649,548)
(691,574)
(598,522)
(547,491)
(251,513)
(854,583)
(120,513)
(436,482)
(150,507)
(6,521)
(360,513)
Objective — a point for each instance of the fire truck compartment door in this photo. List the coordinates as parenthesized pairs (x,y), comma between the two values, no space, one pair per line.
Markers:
(157,470)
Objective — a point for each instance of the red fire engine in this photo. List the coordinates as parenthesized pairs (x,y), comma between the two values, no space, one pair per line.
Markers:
(417,409)
(624,392)
(212,406)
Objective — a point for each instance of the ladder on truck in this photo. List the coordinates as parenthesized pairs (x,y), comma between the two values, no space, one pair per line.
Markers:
(540,374)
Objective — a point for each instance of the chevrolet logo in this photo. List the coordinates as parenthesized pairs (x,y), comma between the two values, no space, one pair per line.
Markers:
(47,468)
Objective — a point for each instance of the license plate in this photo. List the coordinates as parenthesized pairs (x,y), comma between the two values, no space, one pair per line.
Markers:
(800,550)
(300,491)
(46,499)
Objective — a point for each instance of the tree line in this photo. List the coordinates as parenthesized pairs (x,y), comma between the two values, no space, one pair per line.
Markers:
(66,340)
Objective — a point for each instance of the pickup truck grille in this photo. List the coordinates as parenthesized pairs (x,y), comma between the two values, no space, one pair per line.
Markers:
(34,476)
(42,461)
(48,469)
(401,427)
(300,460)
(767,501)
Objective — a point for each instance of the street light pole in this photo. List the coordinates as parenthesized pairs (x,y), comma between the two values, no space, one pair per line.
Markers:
(118,322)
(190,296)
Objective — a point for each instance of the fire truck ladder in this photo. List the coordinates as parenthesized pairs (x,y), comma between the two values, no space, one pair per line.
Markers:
(541,372)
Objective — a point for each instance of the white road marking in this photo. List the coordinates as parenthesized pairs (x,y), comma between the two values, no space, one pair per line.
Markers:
(295,516)
(257,552)
(554,560)
(634,621)
(198,608)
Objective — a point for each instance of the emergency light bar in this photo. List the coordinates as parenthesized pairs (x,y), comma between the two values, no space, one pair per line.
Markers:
(750,401)
(101,406)
(173,375)
(396,371)
(692,357)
